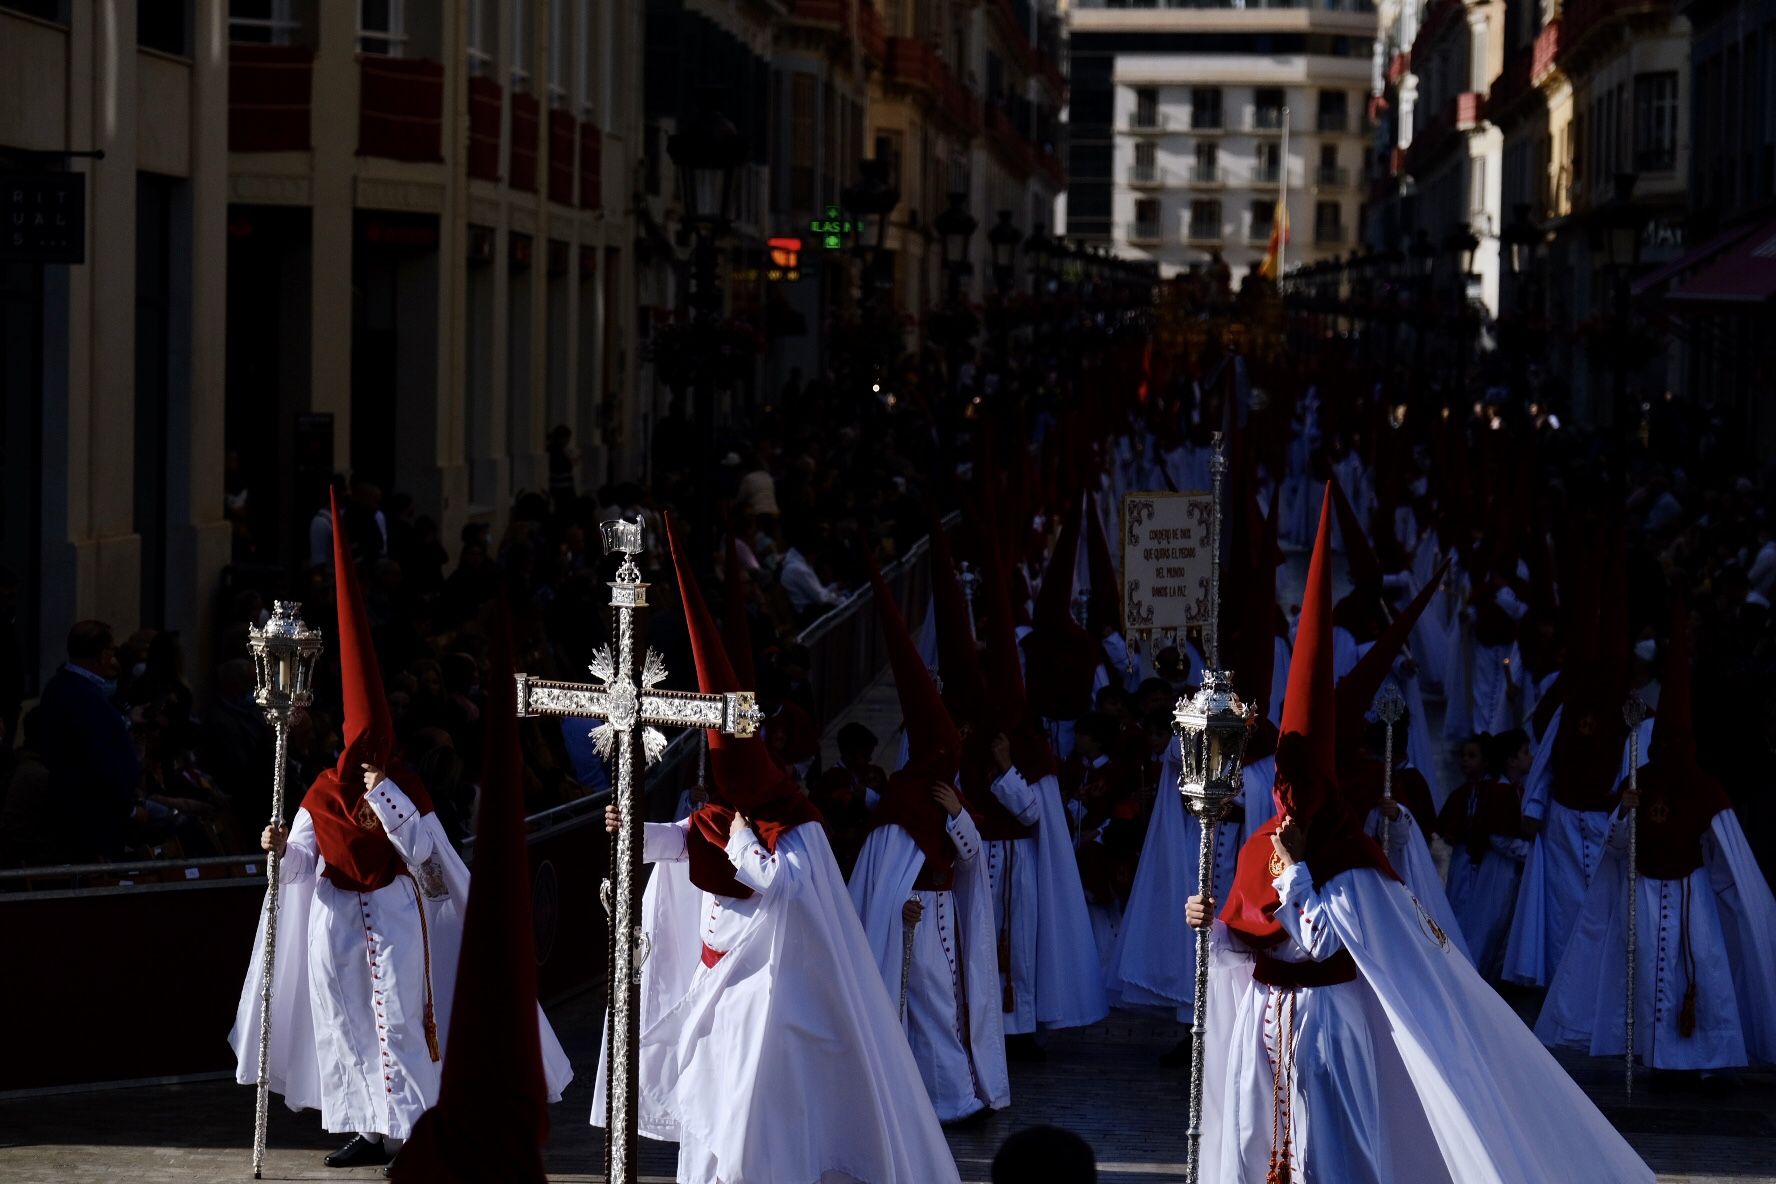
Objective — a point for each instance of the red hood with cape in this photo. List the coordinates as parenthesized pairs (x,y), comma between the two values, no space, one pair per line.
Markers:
(744,776)
(1307,787)
(358,855)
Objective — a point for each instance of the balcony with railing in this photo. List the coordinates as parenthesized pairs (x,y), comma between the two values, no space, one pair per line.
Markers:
(1203,232)
(1436,134)
(270,88)
(1144,234)
(1150,123)
(1267,173)
(1148,176)
(1331,122)
(401,109)
(1330,234)
(1331,176)
(1258,234)
(1206,176)
(912,62)
(486,98)
(1267,119)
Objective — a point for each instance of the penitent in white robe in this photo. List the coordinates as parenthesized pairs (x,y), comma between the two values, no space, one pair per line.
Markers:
(1483,894)
(1153,964)
(349,990)
(953,1023)
(1732,948)
(1562,858)
(782,1061)
(1053,984)
(1415,1072)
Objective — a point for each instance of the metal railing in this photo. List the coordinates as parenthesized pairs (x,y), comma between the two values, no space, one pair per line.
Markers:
(1143,232)
(1267,119)
(1267,174)
(1205,174)
(1147,175)
(1204,232)
(1329,235)
(1332,176)
(846,653)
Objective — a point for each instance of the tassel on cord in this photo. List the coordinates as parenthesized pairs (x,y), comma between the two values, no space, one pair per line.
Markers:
(425,941)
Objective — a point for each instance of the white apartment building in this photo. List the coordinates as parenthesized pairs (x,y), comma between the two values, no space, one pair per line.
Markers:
(1190,123)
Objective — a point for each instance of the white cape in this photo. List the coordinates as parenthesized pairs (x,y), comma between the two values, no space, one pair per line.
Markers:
(1153,963)
(1410,854)
(1732,935)
(322,1032)
(783,1063)
(1069,992)
(881,883)
(1470,1096)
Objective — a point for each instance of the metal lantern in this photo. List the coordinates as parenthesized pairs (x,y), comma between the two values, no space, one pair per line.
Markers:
(955,226)
(284,651)
(1212,728)
(708,150)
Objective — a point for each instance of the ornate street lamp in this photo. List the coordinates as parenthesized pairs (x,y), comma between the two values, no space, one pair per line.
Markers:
(1036,246)
(284,653)
(1519,240)
(1004,238)
(956,226)
(1618,224)
(708,151)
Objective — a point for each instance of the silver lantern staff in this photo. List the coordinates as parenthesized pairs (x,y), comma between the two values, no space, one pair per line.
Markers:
(627,700)
(1634,711)
(970,581)
(284,651)
(1389,708)
(1212,729)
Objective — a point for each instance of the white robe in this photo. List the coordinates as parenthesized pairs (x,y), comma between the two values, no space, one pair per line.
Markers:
(1732,936)
(349,989)
(1557,873)
(1410,855)
(1483,894)
(954,1023)
(1153,964)
(1013,881)
(1416,1072)
(783,1061)
(1067,991)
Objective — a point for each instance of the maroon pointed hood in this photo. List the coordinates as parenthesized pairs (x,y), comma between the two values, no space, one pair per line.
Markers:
(492,1115)
(934,745)
(1678,799)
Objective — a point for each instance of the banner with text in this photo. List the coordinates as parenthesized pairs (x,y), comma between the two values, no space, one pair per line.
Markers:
(1165,560)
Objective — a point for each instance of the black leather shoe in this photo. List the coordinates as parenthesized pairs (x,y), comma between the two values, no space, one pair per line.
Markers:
(357,1153)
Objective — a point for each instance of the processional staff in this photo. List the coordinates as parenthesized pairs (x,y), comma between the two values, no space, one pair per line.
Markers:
(1389,708)
(1634,711)
(1212,729)
(627,700)
(284,651)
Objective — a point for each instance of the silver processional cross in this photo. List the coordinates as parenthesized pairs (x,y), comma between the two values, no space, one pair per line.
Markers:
(626,700)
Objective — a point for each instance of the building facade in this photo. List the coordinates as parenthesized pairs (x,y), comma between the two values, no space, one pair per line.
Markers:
(1188,124)
(112,369)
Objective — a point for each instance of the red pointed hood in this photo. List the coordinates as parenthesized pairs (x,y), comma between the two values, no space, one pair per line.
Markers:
(1679,800)
(492,1115)
(1357,689)
(734,625)
(1105,609)
(744,775)
(1359,553)
(934,745)
(964,685)
(1307,768)
(1063,657)
(368,730)
(1054,601)
(1307,788)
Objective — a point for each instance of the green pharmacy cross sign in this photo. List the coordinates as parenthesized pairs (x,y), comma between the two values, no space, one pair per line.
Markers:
(832,228)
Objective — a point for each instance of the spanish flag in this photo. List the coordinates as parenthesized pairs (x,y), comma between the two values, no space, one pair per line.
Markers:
(1279,235)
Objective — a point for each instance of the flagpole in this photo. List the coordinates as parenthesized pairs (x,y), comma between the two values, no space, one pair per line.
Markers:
(1283,236)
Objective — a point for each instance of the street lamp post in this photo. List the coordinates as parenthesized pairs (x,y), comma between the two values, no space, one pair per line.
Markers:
(1618,223)
(1004,238)
(956,226)
(874,197)
(708,151)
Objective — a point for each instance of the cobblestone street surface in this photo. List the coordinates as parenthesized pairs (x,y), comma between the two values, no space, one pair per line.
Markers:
(1104,1082)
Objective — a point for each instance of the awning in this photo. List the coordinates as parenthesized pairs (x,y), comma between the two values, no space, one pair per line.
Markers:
(1744,275)
(1692,261)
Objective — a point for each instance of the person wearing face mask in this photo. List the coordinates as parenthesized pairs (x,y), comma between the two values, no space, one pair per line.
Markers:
(85,741)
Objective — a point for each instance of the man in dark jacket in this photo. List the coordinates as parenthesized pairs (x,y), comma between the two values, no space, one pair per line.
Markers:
(86,743)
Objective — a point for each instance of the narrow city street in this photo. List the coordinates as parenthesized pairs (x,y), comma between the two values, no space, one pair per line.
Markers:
(1104,1082)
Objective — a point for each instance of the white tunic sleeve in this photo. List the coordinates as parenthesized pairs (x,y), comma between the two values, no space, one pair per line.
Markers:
(400,822)
(964,837)
(665,842)
(301,857)
(1018,796)
(1303,913)
(778,873)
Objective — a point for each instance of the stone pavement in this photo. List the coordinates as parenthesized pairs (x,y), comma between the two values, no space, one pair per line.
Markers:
(1103,1082)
